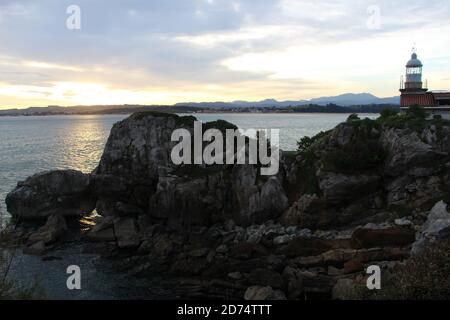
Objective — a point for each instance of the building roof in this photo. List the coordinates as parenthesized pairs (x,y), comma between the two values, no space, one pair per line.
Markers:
(441,95)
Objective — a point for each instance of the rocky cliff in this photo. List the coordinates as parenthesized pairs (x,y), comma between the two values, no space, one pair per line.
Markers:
(365,192)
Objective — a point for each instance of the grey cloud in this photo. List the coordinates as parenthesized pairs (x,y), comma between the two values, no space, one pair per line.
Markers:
(140,35)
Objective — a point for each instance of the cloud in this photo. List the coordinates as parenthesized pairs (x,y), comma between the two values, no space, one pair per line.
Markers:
(216,49)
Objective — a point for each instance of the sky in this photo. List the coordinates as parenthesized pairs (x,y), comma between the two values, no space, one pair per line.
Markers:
(90,52)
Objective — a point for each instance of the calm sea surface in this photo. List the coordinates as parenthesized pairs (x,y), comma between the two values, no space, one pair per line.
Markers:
(33,144)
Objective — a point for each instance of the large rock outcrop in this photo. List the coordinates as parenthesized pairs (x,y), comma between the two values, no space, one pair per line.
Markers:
(350,175)
(59,192)
(137,177)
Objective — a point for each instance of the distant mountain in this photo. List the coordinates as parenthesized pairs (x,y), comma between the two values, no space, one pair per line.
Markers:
(351,99)
(348,102)
(347,99)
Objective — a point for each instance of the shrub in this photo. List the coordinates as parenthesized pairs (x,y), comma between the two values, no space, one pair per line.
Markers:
(417,112)
(353,117)
(305,143)
(363,152)
(422,277)
(388,113)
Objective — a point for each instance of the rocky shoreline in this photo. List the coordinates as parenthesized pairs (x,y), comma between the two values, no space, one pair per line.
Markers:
(369,192)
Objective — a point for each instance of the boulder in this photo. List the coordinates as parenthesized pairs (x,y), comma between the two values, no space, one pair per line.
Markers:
(343,289)
(58,192)
(391,237)
(294,281)
(53,230)
(302,247)
(103,231)
(266,277)
(436,228)
(309,211)
(37,248)
(406,150)
(258,293)
(341,256)
(126,232)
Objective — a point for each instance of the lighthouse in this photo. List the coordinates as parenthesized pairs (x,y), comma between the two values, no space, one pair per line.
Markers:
(413,82)
(415,92)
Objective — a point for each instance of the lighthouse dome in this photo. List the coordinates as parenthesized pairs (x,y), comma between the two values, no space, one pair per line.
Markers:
(414,62)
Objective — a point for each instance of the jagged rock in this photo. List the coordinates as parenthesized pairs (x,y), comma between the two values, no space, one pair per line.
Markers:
(403,222)
(266,277)
(283,239)
(407,150)
(353,265)
(235,275)
(258,293)
(343,288)
(163,245)
(222,249)
(60,192)
(188,266)
(338,187)
(103,231)
(136,176)
(126,233)
(37,248)
(302,247)
(392,237)
(247,251)
(308,211)
(436,228)
(294,280)
(278,295)
(197,253)
(54,229)
(340,256)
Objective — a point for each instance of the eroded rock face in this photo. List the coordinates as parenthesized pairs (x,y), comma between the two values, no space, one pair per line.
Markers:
(406,170)
(137,177)
(339,187)
(59,192)
(54,229)
(407,150)
(436,228)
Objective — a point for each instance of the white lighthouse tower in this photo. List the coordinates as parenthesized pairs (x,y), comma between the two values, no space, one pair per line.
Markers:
(413,80)
(415,92)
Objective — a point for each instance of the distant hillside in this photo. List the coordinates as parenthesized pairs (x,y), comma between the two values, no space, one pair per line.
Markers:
(96,109)
(351,99)
(347,99)
(345,103)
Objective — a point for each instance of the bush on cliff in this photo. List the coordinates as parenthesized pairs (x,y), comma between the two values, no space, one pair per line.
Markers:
(363,152)
(422,277)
